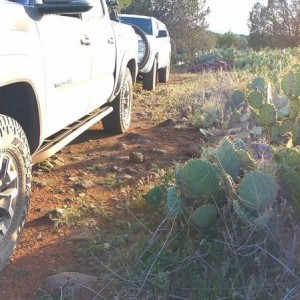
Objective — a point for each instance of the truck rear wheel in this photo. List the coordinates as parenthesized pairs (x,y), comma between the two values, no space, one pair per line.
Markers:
(119,120)
(150,78)
(15,183)
(164,74)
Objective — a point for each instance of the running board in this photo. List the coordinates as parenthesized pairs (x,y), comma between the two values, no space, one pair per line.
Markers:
(65,136)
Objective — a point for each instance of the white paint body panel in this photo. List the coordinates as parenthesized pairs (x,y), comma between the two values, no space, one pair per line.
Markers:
(70,77)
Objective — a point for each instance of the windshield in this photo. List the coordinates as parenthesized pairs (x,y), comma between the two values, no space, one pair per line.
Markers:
(144,24)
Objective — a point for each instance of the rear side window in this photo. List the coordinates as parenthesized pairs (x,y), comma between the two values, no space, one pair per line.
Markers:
(144,24)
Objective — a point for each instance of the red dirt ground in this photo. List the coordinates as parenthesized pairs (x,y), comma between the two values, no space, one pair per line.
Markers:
(45,250)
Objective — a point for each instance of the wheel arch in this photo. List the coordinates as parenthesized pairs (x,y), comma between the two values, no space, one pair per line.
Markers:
(132,66)
(18,101)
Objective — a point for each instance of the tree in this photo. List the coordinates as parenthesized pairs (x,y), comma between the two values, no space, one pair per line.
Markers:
(227,40)
(185,20)
(275,25)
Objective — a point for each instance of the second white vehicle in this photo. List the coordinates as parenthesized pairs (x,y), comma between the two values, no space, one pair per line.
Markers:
(158,64)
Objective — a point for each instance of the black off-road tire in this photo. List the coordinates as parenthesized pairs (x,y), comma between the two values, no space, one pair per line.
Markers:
(164,74)
(119,120)
(15,185)
(150,78)
(143,36)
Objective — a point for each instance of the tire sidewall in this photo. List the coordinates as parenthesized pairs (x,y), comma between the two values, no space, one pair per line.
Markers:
(126,99)
(13,143)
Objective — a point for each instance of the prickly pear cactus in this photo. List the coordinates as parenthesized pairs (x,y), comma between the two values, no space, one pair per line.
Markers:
(287,126)
(155,196)
(197,178)
(267,114)
(294,109)
(174,202)
(228,159)
(258,191)
(239,144)
(247,163)
(275,133)
(238,97)
(289,183)
(259,84)
(204,216)
(255,99)
(290,84)
(289,157)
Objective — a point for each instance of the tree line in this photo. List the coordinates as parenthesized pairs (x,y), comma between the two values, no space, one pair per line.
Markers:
(276,25)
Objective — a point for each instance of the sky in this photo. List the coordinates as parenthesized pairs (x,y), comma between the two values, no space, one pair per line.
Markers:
(230,15)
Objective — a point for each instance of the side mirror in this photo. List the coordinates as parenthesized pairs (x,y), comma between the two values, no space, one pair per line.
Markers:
(64,6)
(112,3)
(162,33)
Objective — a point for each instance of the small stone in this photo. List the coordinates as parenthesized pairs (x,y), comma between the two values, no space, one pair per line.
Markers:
(116,169)
(134,136)
(75,285)
(80,235)
(86,184)
(159,151)
(121,146)
(72,178)
(39,184)
(152,176)
(130,170)
(125,177)
(166,123)
(136,157)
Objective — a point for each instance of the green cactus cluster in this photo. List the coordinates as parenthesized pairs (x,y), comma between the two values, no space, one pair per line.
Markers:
(237,97)
(204,216)
(258,191)
(267,114)
(255,99)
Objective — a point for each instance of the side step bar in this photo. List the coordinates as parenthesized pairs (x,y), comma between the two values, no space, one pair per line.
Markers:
(65,136)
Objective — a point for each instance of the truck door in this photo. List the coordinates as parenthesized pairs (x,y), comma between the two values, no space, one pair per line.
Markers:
(67,57)
(103,48)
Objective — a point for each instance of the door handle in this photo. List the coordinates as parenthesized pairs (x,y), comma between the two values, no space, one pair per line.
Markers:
(111,40)
(85,40)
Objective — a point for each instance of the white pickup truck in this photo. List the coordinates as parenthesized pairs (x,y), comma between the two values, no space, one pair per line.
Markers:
(159,52)
(64,65)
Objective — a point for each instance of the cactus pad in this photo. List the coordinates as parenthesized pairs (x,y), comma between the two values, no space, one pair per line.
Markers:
(204,216)
(290,84)
(289,157)
(239,144)
(228,159)
(275,133)
(247,163)
(174,202)
(155,196)
(197,178)
(267,114)
(237,97)
(255,99)
(289,182)
(294,109)
(258,190)
(286,127)
(259,84)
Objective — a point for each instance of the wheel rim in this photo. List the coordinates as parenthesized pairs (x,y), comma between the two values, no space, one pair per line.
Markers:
(9,183)
(126,106)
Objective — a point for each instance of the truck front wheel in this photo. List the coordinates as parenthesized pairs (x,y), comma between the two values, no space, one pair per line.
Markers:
(150,78)
(118,121)
(15,182)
